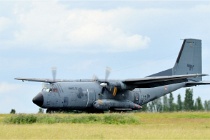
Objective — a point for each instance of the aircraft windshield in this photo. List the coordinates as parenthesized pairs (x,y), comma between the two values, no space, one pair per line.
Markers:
(49,88)
(46,89)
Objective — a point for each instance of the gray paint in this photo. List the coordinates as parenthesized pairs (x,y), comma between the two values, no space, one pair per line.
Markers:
(131,93)
(189,60)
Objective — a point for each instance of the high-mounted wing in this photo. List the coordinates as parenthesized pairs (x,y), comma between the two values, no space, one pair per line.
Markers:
(146,82)
(42,80)
(149,82)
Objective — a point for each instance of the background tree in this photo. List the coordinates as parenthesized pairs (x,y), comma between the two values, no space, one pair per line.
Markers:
(159,105)
(155,105)
(165,104)
(171,103)
(207,105)
(144,107)
(198,104)
(179,103)
(150,107)
(12,111)
(188,101)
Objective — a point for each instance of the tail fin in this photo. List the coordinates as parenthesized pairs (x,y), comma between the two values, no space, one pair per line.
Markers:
(189,60)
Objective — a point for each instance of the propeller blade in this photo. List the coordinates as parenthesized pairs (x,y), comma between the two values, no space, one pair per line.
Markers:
(108,71)
(103,89)
(105,84)
(54,72)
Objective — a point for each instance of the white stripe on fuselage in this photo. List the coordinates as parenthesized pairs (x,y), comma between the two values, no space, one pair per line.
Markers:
(88,98)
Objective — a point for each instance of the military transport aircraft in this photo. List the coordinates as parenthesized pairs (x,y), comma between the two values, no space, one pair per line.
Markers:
(96,95)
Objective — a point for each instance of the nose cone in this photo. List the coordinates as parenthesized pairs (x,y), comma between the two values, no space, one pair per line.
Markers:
(38,100)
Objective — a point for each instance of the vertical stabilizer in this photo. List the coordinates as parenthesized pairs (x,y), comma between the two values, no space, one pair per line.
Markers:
(189,60)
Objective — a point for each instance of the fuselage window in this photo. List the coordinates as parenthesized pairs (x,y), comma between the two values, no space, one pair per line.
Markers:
(54,89)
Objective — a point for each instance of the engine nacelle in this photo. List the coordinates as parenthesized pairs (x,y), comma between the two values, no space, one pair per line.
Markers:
(119,85)
(106,104)
(115,86)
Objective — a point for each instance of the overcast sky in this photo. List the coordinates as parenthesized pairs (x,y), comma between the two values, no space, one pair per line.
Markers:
(81,38)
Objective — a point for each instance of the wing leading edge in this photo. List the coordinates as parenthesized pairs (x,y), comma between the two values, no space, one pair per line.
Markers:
(147,82)
(42,80)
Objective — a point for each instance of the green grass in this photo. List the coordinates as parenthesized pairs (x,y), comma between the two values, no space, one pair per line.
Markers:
(76,118)
(178,125)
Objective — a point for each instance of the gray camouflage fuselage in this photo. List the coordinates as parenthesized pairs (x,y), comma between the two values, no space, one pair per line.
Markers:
(83,95)
(130,94)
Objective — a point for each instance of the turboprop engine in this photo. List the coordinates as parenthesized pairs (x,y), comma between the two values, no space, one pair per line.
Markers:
(114,87)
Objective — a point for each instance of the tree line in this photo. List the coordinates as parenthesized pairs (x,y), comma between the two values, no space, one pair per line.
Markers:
(167,103)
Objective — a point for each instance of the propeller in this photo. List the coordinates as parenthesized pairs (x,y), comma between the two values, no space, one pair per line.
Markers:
(107,73)
(54,72)
(105,83)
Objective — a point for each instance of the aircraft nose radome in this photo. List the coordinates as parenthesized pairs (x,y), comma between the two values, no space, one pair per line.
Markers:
(38,100)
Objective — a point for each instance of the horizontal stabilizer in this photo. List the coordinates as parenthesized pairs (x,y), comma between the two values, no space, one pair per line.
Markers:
(190,84)
(150,82)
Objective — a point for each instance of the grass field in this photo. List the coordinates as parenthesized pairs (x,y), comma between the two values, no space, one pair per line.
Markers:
(182,125)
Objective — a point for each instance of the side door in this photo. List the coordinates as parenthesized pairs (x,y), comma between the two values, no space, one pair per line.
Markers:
(82,98)
(91,97)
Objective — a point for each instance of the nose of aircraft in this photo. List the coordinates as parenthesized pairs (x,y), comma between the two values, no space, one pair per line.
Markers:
(38,100)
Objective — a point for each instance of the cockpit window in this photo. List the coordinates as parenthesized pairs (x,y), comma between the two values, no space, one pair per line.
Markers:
(46,89)
(50,89)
